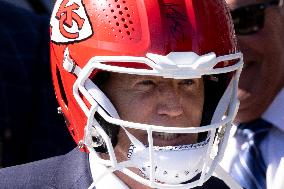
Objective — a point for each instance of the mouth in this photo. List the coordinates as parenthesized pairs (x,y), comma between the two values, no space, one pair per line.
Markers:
(173,139)
(165,136)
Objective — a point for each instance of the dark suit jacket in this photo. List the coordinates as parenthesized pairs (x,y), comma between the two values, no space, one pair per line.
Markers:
(70,171)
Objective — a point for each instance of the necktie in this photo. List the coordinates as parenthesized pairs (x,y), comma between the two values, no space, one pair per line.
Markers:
(249,168)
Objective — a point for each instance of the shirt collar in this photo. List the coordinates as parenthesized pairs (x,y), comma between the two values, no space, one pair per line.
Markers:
(102,176)
(275,112)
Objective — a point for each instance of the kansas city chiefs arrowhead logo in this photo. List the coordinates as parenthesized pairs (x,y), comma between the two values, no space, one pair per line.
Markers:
(69,22)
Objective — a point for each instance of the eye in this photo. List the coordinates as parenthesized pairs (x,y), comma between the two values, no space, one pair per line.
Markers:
(146,82)
(186,82)
(145,85)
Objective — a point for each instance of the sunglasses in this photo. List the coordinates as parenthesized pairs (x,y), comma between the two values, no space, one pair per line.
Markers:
(250,19)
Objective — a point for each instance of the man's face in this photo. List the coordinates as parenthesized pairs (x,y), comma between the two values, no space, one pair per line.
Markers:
(263,73)
(158,101)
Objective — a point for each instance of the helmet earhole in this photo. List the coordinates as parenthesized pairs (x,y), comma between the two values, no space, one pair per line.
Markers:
(62,94)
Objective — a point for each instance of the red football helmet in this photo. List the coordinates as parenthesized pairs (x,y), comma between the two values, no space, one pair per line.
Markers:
(167,38)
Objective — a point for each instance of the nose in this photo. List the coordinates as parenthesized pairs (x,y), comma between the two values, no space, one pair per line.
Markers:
(169,102)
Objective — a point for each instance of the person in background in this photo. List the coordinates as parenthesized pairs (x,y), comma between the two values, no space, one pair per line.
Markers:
(148,90)
(255,156)
(30,128)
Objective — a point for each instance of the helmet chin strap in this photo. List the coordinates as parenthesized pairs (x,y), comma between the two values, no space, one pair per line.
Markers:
(170,164)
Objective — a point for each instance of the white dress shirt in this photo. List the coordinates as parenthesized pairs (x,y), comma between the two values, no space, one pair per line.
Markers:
(272,146)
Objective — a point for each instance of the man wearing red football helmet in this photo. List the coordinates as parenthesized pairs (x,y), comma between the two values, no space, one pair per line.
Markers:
(148,90)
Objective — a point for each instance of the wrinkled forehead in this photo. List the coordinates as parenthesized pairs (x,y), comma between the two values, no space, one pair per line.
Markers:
(233,4)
